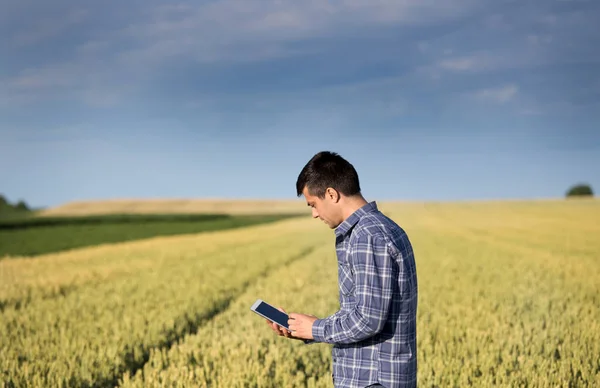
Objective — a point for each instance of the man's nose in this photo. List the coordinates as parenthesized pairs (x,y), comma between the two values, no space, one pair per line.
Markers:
(314,213)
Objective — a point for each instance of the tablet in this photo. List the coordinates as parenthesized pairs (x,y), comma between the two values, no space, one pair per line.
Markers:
(269,312)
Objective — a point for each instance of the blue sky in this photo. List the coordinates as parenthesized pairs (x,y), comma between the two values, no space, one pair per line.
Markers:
(452,100)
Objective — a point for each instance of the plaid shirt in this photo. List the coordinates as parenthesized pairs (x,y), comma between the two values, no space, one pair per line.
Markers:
(374,333)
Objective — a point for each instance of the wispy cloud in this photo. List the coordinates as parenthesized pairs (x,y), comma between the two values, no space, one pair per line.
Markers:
(499,95)
(463,64)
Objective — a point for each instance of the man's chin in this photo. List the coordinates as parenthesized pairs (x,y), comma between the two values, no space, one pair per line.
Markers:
(331,226)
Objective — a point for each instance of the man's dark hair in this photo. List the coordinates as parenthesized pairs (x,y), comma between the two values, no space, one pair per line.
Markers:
(328,169)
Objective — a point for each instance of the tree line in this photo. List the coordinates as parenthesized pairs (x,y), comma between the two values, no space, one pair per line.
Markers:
(6,206)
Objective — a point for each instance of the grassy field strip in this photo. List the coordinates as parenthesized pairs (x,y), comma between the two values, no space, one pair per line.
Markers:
(30,237)
(23,280)
(93,336)
(237,349)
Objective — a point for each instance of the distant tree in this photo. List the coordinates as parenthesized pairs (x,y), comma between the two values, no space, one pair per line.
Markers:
(7,207)
(21,205)
(580,190)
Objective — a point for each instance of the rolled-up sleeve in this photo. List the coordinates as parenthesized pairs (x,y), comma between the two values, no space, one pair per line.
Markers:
(373,290)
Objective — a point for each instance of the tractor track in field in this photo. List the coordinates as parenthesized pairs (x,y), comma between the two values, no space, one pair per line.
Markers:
(194,322)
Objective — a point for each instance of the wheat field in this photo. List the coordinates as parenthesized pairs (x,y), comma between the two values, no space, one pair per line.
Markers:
(509,295)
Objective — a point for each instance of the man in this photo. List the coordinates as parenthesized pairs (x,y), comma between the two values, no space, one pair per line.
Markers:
(374,333)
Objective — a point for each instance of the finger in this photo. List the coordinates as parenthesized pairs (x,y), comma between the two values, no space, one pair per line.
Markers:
(275,328)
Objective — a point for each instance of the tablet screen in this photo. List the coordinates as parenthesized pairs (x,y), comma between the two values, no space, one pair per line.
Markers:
(274,314)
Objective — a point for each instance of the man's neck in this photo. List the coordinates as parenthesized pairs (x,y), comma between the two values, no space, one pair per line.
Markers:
(353,204)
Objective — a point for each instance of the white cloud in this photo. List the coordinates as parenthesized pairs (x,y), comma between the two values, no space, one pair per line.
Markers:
(460,64)
(517,56)
(499,95)
(472,63)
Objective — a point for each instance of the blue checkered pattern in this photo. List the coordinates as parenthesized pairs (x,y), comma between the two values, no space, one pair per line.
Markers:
(374,334)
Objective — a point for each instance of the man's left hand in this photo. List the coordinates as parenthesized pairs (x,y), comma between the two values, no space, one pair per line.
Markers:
(301,325)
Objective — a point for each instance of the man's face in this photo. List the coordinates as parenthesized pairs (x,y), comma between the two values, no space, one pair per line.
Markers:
(326,209)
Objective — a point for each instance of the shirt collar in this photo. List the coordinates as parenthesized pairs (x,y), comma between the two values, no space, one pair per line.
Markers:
(349,222)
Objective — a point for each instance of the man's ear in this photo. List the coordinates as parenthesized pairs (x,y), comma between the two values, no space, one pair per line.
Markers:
(332,195)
